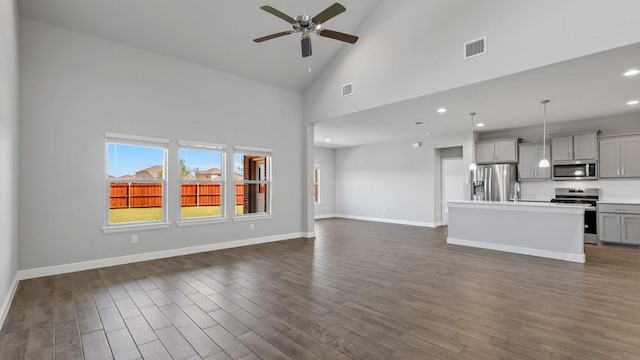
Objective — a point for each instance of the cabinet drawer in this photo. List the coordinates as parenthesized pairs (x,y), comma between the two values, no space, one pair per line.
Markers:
(619,208)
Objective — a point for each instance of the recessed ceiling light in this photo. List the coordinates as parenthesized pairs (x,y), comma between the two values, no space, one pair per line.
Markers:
(633,102)
(631,72)
(480,124)
(419,122)
(327,140)
(442,110)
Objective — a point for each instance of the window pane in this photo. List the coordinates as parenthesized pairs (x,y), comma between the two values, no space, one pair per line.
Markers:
(252,199)
(200,199)
(130,200)
(135,202)
(316,184)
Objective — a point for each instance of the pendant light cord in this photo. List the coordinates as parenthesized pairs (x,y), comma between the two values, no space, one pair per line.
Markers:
(544,129)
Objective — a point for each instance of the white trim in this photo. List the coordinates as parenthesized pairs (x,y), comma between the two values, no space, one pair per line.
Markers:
(139,227)
(201,221)
(250,217)
(252,149)
(440,223)
(325,216)
(385,220)
(127,259)
(520,206)
(310,235)
(579,258)
(150,139)
(201,145)
(6,303)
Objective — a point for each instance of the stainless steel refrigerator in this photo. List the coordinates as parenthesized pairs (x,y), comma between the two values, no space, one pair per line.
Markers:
(495,182)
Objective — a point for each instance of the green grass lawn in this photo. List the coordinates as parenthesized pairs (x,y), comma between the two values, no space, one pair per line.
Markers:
(119,216)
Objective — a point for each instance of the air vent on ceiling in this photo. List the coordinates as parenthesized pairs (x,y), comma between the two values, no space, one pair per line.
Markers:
(347,89)
(475,48)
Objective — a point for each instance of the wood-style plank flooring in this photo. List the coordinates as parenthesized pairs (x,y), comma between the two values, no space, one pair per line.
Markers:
(360,290)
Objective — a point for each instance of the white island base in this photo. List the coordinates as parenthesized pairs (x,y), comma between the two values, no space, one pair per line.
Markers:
(547,230)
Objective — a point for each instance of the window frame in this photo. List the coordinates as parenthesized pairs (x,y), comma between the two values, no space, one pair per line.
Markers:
(212,147)
(316,183)
(268,154)
(142,141)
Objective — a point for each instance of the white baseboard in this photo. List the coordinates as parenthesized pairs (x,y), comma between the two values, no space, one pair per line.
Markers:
(385,220)
(127,259)
(579,258)
(6,303)
(325,216)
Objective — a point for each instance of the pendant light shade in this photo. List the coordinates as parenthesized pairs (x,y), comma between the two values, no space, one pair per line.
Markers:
(473,165)
(544,162)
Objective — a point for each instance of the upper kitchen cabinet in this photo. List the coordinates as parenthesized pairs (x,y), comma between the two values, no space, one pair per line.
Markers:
(528,160)
(581,146)
(620,157)
(497,151)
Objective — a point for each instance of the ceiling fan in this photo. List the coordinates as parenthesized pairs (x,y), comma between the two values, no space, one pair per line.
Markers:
(306,25)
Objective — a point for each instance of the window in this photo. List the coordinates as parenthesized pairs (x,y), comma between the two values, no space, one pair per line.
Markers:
(136,180)
(201,180)
(252,174)
(316,184)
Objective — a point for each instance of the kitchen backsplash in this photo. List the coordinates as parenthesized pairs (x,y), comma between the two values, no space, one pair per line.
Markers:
(609,189)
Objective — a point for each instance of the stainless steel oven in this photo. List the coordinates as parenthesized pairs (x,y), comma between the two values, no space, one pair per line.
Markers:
(575,170)
(585,197)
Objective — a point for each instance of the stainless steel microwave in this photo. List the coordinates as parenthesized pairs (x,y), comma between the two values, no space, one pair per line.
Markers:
(575,170)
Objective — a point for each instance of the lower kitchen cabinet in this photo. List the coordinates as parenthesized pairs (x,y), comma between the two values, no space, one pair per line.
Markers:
(619,223)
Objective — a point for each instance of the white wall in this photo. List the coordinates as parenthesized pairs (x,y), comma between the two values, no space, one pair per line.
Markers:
(74,88)
(8,154)
(394,182)
(325,159)
(395,62)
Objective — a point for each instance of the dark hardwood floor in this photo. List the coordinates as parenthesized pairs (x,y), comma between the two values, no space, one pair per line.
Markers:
(360,290)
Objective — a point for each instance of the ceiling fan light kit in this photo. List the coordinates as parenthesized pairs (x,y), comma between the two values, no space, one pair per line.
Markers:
(307,25)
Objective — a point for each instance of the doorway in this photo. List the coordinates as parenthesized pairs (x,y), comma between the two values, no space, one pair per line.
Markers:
(453,174)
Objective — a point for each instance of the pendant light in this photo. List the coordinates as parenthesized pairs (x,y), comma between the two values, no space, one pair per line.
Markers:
(544,162)
(473,165)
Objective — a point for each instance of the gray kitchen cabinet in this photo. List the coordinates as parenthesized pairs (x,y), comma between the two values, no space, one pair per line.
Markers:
(497,151)
(620,157)
(619,223)
(529,156)
(582,146)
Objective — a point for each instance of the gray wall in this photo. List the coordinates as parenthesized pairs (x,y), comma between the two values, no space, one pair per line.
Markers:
(393,181)
(8,152)
(74,88)
(326,160)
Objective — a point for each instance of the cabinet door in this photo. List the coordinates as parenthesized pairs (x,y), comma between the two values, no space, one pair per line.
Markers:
(585,147)
(527,162)
(505,151)
(630,156)
(484,153)
(630,229)
(542,173)
(562,148)
(609,227)
(609,158)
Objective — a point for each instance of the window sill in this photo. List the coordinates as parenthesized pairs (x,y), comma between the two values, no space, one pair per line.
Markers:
(252,217)
(195,222)
(137,227)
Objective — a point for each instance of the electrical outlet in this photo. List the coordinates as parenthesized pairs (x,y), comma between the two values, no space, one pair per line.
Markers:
(134,239)
(251,227)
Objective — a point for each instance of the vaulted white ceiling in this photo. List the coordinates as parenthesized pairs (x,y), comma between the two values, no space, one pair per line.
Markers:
(407,62)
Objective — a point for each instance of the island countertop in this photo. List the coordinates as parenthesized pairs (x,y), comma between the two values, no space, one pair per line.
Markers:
(523,205)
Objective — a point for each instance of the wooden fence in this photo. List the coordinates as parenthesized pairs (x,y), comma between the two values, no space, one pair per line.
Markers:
(144,195)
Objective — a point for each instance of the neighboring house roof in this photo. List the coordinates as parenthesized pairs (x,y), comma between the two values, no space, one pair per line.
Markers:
(213,173)
(149,173)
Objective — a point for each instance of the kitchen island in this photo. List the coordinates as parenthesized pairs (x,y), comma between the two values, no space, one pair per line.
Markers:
(542,229)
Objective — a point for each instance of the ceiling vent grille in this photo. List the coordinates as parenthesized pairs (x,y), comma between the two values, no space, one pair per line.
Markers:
(475,48)
(347,90)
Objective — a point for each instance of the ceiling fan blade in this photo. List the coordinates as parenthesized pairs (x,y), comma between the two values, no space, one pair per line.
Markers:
(306,46)
(278,13)
(273,36)
(328,13)
(351,39)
